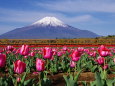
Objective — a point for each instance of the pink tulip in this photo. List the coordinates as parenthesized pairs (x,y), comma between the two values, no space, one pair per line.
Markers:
(47,53)
(1,50)
(80,49)
(59,53)
(93,54)
(2,60)
(105,66)
(54,51)
(25,56)
(100,60)
(10,48)
(103,51)
(75,56)
(19,66)
(40,65)
(32,54)
(64,48)
(24,50)
(72,64)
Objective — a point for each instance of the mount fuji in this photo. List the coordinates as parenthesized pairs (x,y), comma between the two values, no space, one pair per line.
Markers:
(48,28)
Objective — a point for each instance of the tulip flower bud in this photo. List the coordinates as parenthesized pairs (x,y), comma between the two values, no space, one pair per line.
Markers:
(72,64)
(105,66)
(47,53)
(2,60)
(59,53)
(80,49)
(1,50)
(40,65)
(25,57)
(103,51)
(100,60)
(10,48)
(75,56)
(24,50)
(19,66)
(64,48)
(32,54)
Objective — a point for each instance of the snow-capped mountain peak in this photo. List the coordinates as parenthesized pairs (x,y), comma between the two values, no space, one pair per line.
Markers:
(52,21)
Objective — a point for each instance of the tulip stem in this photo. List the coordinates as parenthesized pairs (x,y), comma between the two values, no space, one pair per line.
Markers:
(104,71)
(74,70)
(47,64)
(39,77)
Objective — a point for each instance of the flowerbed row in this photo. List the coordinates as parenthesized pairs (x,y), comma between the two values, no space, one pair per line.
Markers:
(47,61)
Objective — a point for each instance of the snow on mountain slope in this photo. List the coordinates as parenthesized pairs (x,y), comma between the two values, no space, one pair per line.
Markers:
(52,21)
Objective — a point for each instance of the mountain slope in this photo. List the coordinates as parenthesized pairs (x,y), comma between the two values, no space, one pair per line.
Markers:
(48,28)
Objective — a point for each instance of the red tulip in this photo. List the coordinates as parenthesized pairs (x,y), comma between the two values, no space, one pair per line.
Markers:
(75,56)
(47,53)
(1,50)
(93,54)
(100,60)
(103,51)
(24,50)
(59,53)
(19,66)
(10,48)
(32,54)
(80,49)
(72,64)
(2,60)
(40,65)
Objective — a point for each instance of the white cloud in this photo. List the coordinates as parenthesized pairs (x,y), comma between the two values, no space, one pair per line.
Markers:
(80,6)
(32,16)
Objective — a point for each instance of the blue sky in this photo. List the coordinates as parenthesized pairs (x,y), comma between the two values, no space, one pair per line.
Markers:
(94,15)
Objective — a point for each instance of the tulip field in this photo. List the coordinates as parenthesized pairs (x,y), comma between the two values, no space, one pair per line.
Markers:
(57,66)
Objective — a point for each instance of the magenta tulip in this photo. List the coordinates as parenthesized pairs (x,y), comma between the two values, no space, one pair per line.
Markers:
(100,60)
(19,66)
(32,54)
(47,53)
(64,48)
(72,64)
(24,50)
(80,49)
(75,56)
(10,48)
(1,50)
(103,51)
(105,66)
(40,65)
(59,53)
(93,54)
(2,60)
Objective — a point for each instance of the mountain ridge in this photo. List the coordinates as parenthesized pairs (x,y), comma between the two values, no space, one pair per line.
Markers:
(48,28)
